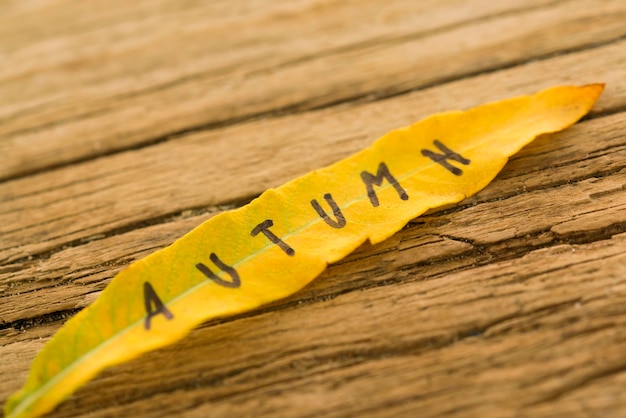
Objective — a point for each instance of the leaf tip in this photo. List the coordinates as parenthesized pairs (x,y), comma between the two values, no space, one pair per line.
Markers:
(594,89)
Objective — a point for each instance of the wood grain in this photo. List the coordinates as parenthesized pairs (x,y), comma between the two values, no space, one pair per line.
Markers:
(123,125)
(80,91)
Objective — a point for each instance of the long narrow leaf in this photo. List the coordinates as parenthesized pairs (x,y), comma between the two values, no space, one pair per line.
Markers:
(277,244)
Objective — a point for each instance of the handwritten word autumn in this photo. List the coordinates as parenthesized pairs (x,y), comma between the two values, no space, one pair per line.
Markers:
(155,306)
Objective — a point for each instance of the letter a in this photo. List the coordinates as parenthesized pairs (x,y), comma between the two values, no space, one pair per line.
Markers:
(151,298)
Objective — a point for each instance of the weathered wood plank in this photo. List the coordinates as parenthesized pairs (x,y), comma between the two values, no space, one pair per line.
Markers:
(413,345)
(46,211)
(66,102)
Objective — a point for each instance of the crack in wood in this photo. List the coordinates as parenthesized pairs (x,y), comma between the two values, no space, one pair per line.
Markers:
(241,202)
(478,251)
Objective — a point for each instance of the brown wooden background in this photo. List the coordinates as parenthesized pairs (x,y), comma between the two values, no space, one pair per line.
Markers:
(124,124)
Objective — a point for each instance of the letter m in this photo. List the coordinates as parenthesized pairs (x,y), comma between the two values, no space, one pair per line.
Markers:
(383,173)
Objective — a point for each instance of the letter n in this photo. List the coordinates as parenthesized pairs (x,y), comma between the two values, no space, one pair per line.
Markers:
(442,159)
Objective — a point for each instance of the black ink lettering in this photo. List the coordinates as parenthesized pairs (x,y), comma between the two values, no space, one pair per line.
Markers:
(341,220)
(263,227)
(383,173)
(442,159)
(151,298)
(236,281)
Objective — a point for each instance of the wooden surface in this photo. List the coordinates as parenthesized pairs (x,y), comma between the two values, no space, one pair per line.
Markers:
(123,125)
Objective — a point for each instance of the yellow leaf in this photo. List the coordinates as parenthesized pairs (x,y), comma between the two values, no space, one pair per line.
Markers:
(277,244)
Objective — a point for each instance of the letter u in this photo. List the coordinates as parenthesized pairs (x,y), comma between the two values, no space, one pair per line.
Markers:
(236,281)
